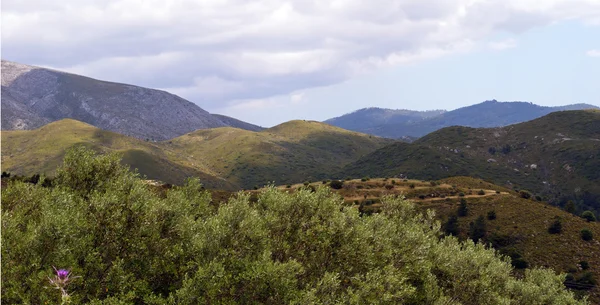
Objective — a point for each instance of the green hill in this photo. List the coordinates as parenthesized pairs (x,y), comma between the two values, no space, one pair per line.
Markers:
(292,152)
(42,150)
(556,157)
(519,229)
(227,158)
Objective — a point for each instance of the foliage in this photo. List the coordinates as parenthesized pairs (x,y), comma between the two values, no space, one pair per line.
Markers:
(477,229)
(524,194)
(589,216)
(491,215)
(462,210)
(132,246)
(587,235)
(555,227)
(451,226)
(336,184)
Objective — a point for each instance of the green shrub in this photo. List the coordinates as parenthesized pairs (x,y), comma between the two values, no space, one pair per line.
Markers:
(477,229)
(519,263)
(461,194)
(589,216)
(451,226)
(131,246)
(491,215)
(555,227)
(412,186)
(481,193)
(524,194)
(336,184)
(587,235)
(584,265)
(393,181)
(462,210)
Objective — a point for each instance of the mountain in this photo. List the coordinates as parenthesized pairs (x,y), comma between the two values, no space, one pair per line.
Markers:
(26,152)
(225,157)
(397,123)
(33,97)
(369,119)
(556,157)
(229,121)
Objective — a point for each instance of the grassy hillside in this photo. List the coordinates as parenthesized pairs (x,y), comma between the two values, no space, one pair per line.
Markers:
(292,152)
(556,157)
(520,227)
(42,150)
(227,158)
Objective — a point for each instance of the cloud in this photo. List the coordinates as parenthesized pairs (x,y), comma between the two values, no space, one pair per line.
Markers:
(297,98)
(593,53)
(503,44)
(218,52)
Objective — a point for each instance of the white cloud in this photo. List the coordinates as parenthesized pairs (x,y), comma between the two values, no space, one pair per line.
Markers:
(216,51)
(593,53)
(503,44)
(297,98)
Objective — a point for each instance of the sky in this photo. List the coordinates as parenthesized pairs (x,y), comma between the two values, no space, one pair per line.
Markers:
(270,61)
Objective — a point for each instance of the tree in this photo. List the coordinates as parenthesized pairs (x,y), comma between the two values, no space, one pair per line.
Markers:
(555,227)
(589,216)
(131,245)
(477,229)
(587,235)
(336,184)
(462,210)
(451,226)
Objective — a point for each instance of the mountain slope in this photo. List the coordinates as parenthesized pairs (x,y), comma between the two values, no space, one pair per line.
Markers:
(26,152)
(367,119)
(232,122)
(33,96)
(556,156)
(224,157)
(487,114)
(290,152)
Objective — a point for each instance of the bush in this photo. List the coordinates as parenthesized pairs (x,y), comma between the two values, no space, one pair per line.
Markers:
(497,192)
(363,179)
(412,186)
(477,229)
(132,246)
(555,227)
(481,193)
(336,184)
(288,186)
(584,265)
(421,197)
(393,182)
(462,210)
(451,226)
(461,194)
(525,194)
(519,263)
(389,186)
(589,216)
(491,215)
(587,235)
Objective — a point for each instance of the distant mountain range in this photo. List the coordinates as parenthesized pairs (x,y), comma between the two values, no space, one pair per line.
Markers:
(556,157)
(399,124)
(33,97)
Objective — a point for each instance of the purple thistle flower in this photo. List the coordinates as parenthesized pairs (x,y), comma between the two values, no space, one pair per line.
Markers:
(62,274)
